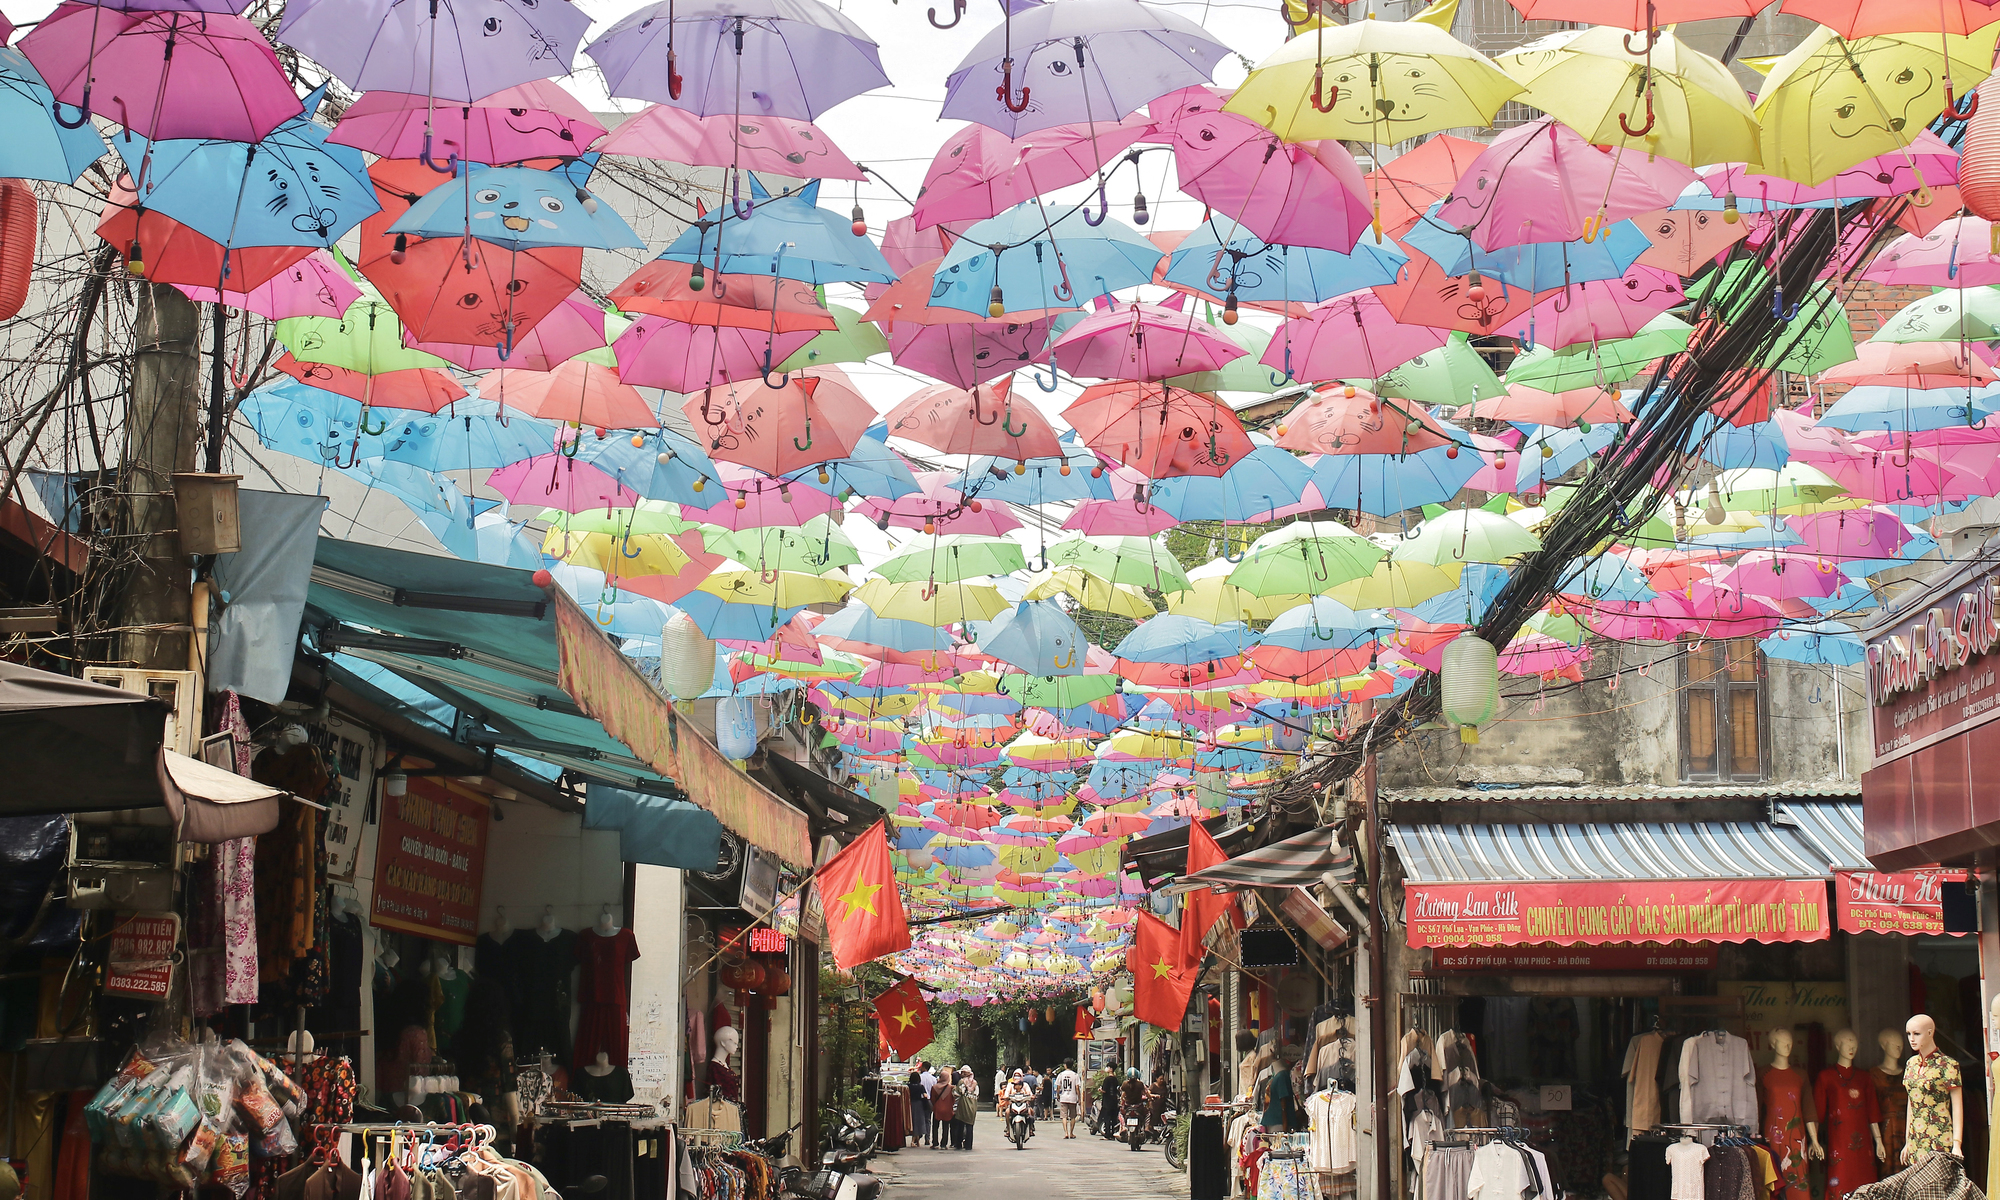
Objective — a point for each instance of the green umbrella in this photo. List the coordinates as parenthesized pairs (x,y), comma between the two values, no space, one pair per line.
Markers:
(815,547)
(615,323)
(649,516)
(1816,338)
(1246,374)
(954,556)
(367,338)
(1058,691)
(1587,364)
(1140,561)
(852,340)
(1656,532)
(1946,315)
(1305,558)
(1452,375)
(1466,535)
(1760,489)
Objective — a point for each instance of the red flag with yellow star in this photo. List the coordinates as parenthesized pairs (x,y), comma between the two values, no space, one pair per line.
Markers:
(905,1018)
(1161,980)
(864,915)
(1203,908)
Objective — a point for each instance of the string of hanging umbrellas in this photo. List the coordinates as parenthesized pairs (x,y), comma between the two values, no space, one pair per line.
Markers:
(690,454)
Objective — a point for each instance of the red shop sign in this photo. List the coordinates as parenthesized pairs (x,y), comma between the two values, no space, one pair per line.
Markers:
(1611,912)
(142,956)
(1902,902)
(1574,958)
(430,860)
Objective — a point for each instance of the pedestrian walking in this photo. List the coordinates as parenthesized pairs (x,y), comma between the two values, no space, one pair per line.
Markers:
(1107,1104)
(920,1102)
(944,1109)
(1069,1097)
(968,1109)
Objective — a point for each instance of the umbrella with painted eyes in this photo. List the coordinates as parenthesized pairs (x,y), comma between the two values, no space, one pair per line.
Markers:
(1424,293)
(1179,652)
(169,75)
(1598,310)
(1686,240)
(969,353)
(1138,341)
(1158,429)
(1319,640)
(366,339)
(1028,259)
(781,58)
(576,392)
(537,119)
(1386,484)
(663,288)
(1348,420)
(786,235)
(1926,161)
(1873,408)
(517,208)
(751,141)
(1962,314)
(315,286)
(1958,252)
(1263,482)
(689,358)
(940,508)
(1540,182)
(1305,558)
(1225,260)
(573,328)
(812,417)
(37,145)
(1346,336)
(419,388)
(1915,365)
(157,247)
(1601,363)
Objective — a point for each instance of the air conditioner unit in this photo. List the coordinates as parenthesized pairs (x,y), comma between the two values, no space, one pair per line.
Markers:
(180,691)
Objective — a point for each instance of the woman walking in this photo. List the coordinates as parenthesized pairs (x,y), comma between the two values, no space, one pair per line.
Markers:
(944,1109)
(968,1109)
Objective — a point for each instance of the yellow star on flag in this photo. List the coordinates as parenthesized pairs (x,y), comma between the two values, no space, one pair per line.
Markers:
(1161,969)
(906,1018)
(861,897)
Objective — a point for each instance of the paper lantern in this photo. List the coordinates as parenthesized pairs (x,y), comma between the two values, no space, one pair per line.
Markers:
(687,658)
(736,726)
(1471,685)
(17,244)
(1979,157)
(884,788)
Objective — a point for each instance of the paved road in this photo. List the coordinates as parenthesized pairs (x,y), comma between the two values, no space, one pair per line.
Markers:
(1048,1169)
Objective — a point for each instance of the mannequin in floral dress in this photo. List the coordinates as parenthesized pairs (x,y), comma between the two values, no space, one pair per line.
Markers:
(1845,1098)
(1790,1125)
(1890,1098)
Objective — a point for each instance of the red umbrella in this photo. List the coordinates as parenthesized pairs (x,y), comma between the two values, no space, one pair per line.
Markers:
(979,172)
(575,327)
(662,289)
(419,388)
(683,357)
(1159,430)
(969,354)
(1532,406)
(1347,420)
(1637,14)
(166,251)
(1424,295)
(1142,341)
(816,416)
(580,392)
(1864,18)
(984,420)
(1404,187)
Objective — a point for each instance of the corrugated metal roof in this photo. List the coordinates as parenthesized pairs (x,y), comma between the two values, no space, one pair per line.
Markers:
(1591,794)
(1808,839)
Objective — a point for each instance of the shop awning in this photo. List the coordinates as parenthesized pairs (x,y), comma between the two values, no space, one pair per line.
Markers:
(1574,884)
(1298,861)
(73,746)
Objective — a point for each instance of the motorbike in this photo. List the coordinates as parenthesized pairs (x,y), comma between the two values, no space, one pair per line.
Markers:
(842,1175)
(854,1136)
(1135,1131)
(1019,1113)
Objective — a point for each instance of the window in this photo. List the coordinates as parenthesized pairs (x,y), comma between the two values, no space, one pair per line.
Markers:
(1723,735)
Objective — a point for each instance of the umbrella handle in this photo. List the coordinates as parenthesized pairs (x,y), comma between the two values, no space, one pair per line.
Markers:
(1951,108)
(506,349)
(1064,666)
(1103,207)
(1055,378)
(1652,35)
(1778,309)
(796,445)
(674,80)
(980,417)
(626,542)
(1232,552)
(451,161)
(1007,422)
(957,14)
(1319,80)
(82,111)
(1005,92)
(1626,125)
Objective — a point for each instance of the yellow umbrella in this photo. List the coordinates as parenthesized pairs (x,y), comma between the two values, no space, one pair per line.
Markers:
(1588,79)
(945,604)
(1120,599)
(738,584)
(624,557)
(1376,81)
(1215,600)
(901,704)
(1834,102)
(1397,584)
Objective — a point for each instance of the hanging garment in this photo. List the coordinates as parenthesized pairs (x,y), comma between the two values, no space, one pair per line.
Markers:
(1685,1160)
(1642,1085)
(1893,1103)
(1447,1173)
(1845,1097)
(1788,1108)
(1208,1158)
(1647,1176)
(1726,1174)
(541,1003)
(1718,1083)
(602,994)
(1330,1121)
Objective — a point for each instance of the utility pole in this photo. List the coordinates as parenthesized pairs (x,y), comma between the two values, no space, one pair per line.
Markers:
(163,434)
(1378,982)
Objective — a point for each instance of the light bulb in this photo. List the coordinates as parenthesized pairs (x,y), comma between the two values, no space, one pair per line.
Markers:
(663,458)
(698,484)
(1229,314)
(742,502)
(1451,450)
(1729,213)
(694,278)
(930,526)
(135,261)
(588,201)
(638,440)
(1139,209)
(860,225)
(996,306)
(1063,470)
(1021,468)
(977,505)
(824,477)
(397,252)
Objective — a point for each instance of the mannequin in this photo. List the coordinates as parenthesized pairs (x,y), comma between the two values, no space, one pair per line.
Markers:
(547,927)
(1845,1097)
(1890,1098)
(605,953)
(603,1082)
(600,1066)
(1790,1123)
(721,1075)
(607,922)
(1936,1121)
(451,988)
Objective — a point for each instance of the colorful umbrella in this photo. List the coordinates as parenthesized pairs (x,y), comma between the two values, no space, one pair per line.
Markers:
(753,142)
(456,52)
(968,354)
(815,416)
(664,288)
(681,357)
(537,119)
(1222,259)
(773,58)
(315,286)
(1037,637)
(787,235)
(576,327)
(1540,182)
(518,208)
(1348,336)
(1305,558)
(981,420)
(170,252)
(576,392)
(1599,310)
(979,172)
(1141,341)
(1158,429)
(1026,260)
(557,481)
(38,146)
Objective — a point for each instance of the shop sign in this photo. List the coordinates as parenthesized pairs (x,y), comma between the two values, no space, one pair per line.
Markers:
(762,940)
(1317,923)
(1596,913)
(142,956)
(1930,675)
(350,750)
(430,860)
(1780,1004)
(1900,902)
(1574,958)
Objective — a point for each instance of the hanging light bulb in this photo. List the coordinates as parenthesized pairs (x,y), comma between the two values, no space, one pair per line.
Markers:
(664,457)
(976,505)
(1475,287)
(930,526)
(638,440)
(1548,451)
(135,261)
(996,306)
(1582,426)
(397,253)
(882,522)
(742,502)
(784,494)
(1229,315)
(1097,472)
(1729,213)
(1021,467)
(1713,512)
(1139,209)
(698,484)
(1451,450)
(824,477)
(588,201)
(695,279)
(860,226)
(1063,470)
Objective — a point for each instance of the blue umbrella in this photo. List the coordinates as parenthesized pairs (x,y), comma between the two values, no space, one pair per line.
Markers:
(1536,266)
(1823,643)
(1477,587)
(290,189)
(1853,598)
(317,425)
(489,537)
(1567,447)
(1036,636)
(473,434)
(1184,641)
(519,208)
(1034,262)
(1325,624)
(1767,534)
(870,469)
(718,618)
(858,623)
(1262,481)
(1386,484)
(1731,446)
(621,613)
(36,145)
(1872,408)
(788,236)
(1042,482)
(1606,577)
(972,704)
(666,466)
(1222,258)
(1122,780)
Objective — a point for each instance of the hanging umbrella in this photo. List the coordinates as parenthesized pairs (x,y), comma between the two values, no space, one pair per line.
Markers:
(1684,240)
(1916,365)
(576,392)
(418,388)
(969,354)
(1386,484)
(1211,597)
(315,286)
(1171,651)
(1581,407)
(1426,294)
(557,481)
(1540,182)
(1319,640)
(980,420)
(168,75)
(1223,259)
(1599,310)
(574,328)
(1683,104)
(946,604)
(1348,336)
(1305,558)
(1956,253)
(1533,266)
(1862,18)
(1925,161)
(1141,341)
(1348,420)
(1451,375)
(1397,584)
(751,141)
(1037,637)
(1159,430)
(663,466)
(1265,482)
(1638,14)
(1468,535)
(940,508)
(816,416)
(170,252)
(682,357)
(37,145)
(953,557)
(664,288)
(1141,561)
(1965,314)
(457,52)
(1098,60)
(366,338)
(536,119)
(1119,518)
(1821,643)
(787,235)
(869,467)
(519,208)
(980,173)
(852,340)
(1602,363)
(1869,408)
(1404,187)
(1044,263)
(774,58)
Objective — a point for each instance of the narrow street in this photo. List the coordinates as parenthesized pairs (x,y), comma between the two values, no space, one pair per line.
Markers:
(1049,1167)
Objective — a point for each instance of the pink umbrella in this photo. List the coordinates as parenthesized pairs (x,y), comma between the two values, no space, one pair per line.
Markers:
(968,354)
(979,173)
(940,509)
(906,246)
(1808,441)
(1348,337)
(1540,182)
(982,420)
(1347,420)
(1424,295)
(1684,239)
(1928,161)
(315,286)
(537,119)
(1905,477)
(1600,310)
(1142,341)
(1532,406)
(757,501)
(577,391)
(572,328)
(1288,193)
(1957,253)
(1538,654)
(1851,533)
(1118,517)
(1779,576)
(167,74)
(808,417)
(1911,365)
(560,482)
(662,352)
(781,145)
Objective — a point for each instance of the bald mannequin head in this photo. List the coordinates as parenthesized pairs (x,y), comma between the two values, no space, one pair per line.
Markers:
(1922,1033)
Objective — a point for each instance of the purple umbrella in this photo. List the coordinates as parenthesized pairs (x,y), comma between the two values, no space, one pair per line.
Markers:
(966,355)
(1599,310)
(661,352)
(1081,60)
(980,173)
(168,75)
(773,58)
(452,50)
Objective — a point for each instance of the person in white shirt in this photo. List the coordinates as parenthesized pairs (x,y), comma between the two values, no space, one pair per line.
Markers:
(1069,1097)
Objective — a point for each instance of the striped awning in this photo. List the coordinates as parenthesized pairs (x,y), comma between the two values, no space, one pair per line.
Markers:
(1297,861)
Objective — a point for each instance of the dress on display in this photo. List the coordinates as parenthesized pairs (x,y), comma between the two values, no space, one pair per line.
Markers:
(1788,1106)
(541,998)
(1930,1079)
(1846,1100)
(602,995)
(1893,1103)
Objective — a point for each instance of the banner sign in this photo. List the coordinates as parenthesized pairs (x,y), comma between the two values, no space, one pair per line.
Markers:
(142,956)
(350,750)
(1933,675)
(1903,902)
(430,859)
(1575,958)
(1601,912)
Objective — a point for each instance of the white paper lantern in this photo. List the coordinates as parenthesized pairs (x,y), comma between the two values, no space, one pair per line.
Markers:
(1471,685)
(884,788)
(736,726)
(687,658)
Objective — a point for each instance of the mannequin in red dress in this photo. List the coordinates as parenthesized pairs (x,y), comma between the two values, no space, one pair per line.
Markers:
(1790,1125)
(1845,1096)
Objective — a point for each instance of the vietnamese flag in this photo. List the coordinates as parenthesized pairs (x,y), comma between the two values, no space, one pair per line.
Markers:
(905,1018)
(1202,907)
(857,889)
(1161,982)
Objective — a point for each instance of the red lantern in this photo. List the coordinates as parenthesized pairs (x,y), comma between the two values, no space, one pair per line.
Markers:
(732,975)
(753,977)
(1979,158)
(776,981)
(17,244)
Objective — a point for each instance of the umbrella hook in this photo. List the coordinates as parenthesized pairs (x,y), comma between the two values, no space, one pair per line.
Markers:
(1062,665)
(1103,206)
(625,545)
(957,14)
(82,111)
(769,576)
(737,204)
(506,349)
(1322,102)
(1050,384)
(378,430)
(1005,92)
(1951,108)
(1645,129)
(451,161)
(1232,552)
(796,445)
(1778,309)
(1007,422)
(978,416)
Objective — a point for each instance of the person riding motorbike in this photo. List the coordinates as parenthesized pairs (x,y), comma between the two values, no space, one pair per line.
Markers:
(1133,1103)
(1018,1088)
